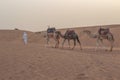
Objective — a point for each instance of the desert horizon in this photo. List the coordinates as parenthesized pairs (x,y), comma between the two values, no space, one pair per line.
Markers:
(60,28)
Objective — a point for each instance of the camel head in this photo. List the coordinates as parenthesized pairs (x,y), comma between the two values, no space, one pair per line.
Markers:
(58,32)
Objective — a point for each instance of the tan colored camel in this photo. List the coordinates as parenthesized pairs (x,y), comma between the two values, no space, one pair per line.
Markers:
(51,34)
(100,38)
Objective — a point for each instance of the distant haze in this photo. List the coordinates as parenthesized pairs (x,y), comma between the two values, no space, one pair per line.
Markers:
(36,15)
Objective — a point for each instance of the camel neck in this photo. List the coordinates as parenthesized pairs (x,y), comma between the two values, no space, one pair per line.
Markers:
(62,35)
(92,35)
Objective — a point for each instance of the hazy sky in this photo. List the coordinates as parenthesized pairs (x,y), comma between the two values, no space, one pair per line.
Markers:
(35,15)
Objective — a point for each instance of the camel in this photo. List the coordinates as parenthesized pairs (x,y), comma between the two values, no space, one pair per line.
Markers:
(70,35)
(100,37)
(51,34)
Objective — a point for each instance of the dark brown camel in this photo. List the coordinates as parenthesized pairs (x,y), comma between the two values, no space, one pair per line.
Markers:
(70,35)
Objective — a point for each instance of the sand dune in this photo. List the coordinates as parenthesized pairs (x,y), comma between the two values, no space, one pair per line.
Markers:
(37,62)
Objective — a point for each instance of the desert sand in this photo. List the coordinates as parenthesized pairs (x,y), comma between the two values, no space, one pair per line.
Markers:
(36,61)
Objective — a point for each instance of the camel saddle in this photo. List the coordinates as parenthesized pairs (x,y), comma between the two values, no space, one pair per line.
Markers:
(103,31)
(70,32)
(51,30)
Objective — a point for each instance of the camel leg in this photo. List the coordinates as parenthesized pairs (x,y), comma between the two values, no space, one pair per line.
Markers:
(74,43)
(80,46)
(56,42)
(63,43)
(97,44)
(111,45)
(110,38)
(47,40)
(79,43)
(111,48)
(102,45)
(56,45)
(69,43)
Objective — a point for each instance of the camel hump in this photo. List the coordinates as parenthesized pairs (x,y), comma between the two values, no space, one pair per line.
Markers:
(51,30)
(70,32)
(103,31)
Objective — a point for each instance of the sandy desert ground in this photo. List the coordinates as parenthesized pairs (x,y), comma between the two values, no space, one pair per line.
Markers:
(36,61)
